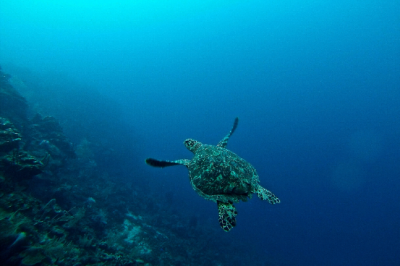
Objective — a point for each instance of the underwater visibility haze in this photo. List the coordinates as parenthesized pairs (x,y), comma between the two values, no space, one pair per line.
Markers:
(90,89)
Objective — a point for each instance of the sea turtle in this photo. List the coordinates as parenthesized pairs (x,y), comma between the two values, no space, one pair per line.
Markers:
(220,175)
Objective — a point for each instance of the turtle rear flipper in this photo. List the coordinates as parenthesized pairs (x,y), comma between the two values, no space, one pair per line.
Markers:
(265,194)
(158,163)
(224,141)
(226,216)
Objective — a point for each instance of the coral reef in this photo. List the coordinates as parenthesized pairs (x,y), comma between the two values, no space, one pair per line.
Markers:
(15,162)
(12,104)
(58,207)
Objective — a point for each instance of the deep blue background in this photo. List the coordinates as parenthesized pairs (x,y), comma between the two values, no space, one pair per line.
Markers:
(316,85)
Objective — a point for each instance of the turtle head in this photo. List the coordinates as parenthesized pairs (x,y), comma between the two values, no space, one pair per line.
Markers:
(192,145)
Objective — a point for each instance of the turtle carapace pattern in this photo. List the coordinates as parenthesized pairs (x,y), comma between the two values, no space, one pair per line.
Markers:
(220,175)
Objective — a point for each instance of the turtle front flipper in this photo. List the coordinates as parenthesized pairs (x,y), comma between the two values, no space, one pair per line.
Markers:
(224,141)
(265,194)
(157,163)
(226,216)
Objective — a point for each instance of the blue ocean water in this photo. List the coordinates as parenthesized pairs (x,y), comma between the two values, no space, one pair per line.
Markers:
(315,84)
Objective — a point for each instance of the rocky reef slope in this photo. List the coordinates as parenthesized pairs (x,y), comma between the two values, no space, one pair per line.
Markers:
(58,207)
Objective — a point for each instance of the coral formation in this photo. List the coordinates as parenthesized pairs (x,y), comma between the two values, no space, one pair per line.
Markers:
(58,207)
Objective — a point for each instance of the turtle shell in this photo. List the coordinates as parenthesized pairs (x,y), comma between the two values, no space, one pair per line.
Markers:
(220,175)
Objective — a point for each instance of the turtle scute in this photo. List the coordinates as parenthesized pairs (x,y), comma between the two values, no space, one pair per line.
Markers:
(220,174)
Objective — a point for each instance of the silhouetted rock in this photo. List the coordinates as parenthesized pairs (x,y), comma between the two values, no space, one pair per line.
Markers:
(12,104)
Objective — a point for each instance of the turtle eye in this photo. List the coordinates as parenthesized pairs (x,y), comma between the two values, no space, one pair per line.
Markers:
(189,143)
(192,144)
